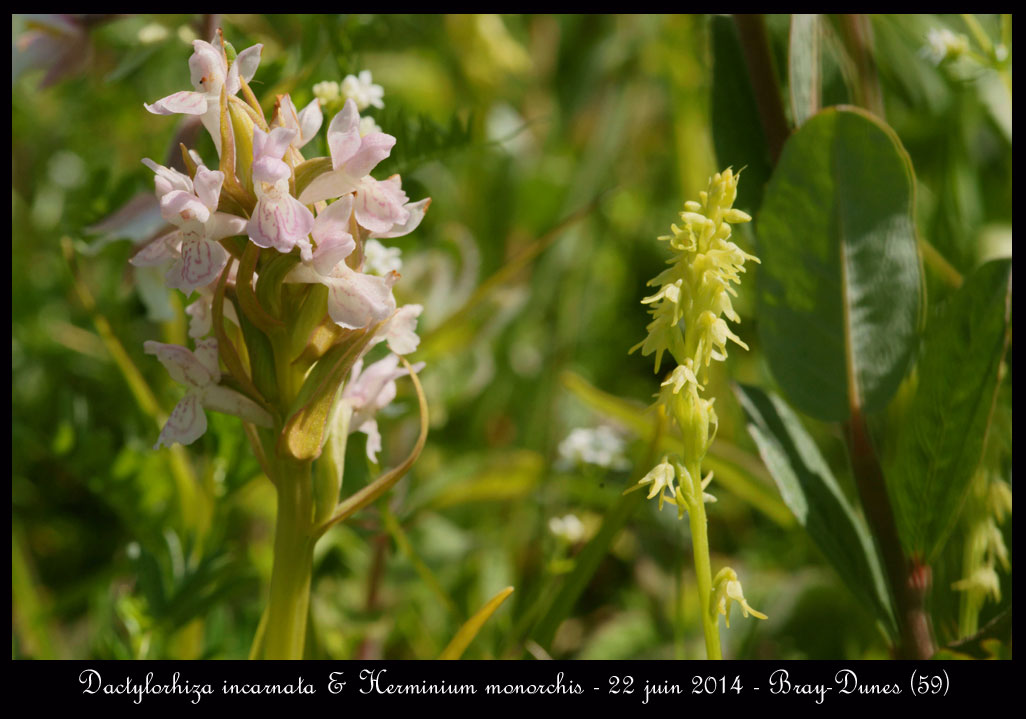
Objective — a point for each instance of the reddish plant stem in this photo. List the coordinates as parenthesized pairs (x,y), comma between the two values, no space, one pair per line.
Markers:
(857,35)
(909,581)
(751,31)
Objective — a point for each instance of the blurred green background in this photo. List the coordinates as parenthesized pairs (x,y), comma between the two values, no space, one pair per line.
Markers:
(555,151)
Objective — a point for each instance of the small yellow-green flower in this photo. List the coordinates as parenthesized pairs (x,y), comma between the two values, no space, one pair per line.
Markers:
(696,289)
(727,589)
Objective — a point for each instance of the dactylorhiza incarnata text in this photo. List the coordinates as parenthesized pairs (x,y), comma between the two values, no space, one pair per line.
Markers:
(687,321)
(272,249)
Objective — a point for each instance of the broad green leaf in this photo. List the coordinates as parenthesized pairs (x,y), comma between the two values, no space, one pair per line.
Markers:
(839,286)
(803,67)
(468,631)
(810,490)
(946,426)
(736,470)
(737,131)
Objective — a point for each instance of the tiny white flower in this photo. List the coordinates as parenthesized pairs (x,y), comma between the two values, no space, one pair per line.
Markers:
(569,528)
(327,91)
(600,446)
(942,44)
(380,260)
(362,90)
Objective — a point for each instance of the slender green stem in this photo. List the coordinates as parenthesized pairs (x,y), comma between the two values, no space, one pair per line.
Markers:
(703,564)
(285,631)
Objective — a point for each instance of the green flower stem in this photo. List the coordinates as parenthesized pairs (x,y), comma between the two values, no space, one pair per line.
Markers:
(289,605)
(703,564)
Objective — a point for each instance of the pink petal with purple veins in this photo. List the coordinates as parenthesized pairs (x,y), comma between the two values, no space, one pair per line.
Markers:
(180,363)
(186,424)
(161,250)
(379,205)
(280,223)
(201,264)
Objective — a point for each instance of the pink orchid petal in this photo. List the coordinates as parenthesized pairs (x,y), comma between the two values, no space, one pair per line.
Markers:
(248,61)
(401,331)
(356,300)
(334,220)
(332,251)
(161,250)
(168,179)
(228,401)
(270,170)
(281,223)
(208,67)
(344,135)
(272,144)
(200,317)
(417,211)
(328,186)
(179,207)
(379,205)
(370,428)
(374,148)
(180,363)
(179,103)
(310,120)
(206,353)
(221,225)
(207,184)
(186,424)
(201,264)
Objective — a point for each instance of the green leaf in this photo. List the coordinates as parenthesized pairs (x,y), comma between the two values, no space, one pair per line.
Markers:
(941,443)
(803,67)
(468,631)
(810,490)
(840,286)
(737,131)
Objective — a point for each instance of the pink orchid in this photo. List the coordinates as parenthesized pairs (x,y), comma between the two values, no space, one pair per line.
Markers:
(209,71)
(306,123)
(191,205)
(367,392)
(400,332)
(355,299)
(279,220)
(200,374)
(379,205)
